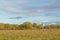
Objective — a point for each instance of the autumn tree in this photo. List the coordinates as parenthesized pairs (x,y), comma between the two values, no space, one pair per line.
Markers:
(22,27)
(40,26)
(58,26)
(1,26)
(6,26)
(35,25)
(26,25)
(47,27)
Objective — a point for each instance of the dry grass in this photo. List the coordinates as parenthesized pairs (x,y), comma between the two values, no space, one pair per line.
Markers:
(43,34)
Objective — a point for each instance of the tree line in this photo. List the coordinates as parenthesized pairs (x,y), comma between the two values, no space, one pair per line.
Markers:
(28,25)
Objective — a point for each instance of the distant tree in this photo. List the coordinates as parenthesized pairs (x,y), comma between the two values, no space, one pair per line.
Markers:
(58,26)
(14,26)
(35,25)
(1,26)
(28,25)
(47,27)
(53,26)
(11,26)
(22,27)
(40,26)
(6,26)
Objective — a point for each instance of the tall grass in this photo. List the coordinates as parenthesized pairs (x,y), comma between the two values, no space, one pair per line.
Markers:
(42,34)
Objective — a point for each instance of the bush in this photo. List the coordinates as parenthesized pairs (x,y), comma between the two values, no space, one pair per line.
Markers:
(26,25)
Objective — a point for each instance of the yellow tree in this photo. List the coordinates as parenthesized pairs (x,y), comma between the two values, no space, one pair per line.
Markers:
(40,26)
(1,26)
(27,25)
(35,25)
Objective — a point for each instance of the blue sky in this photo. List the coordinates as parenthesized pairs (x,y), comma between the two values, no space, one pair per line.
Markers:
(19,11)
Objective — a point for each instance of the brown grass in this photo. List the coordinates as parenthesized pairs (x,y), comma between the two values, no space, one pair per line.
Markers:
(42,34)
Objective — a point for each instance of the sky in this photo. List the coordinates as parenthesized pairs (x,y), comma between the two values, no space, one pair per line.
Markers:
(19,11)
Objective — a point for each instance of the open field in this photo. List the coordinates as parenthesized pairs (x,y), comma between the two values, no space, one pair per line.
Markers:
(42,34)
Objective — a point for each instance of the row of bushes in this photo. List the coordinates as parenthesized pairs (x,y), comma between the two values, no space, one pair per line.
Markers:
(8,26)
(28,25)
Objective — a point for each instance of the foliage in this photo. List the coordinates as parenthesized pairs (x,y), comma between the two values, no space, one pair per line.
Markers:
(8,26)
(28,25)
(35,25)
(40,26)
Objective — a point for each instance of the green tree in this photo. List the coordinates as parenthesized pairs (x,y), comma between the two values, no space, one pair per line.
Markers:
(47,27)
(40,26)
(53,26)
(6,26)
(14,26)
(35,25)
(27,25)
(58,26)
(22,27)
(1,26)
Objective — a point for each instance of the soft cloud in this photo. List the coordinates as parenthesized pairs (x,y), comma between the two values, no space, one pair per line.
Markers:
(19,6)
(15,17)
(36,10)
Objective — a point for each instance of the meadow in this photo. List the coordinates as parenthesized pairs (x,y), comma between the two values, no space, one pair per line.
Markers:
(42,34)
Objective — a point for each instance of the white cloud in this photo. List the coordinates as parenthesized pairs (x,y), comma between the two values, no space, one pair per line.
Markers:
(12,6)
(40,10)
(21,7)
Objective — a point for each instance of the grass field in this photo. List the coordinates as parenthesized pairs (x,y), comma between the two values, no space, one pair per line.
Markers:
(43,34)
